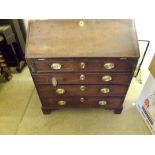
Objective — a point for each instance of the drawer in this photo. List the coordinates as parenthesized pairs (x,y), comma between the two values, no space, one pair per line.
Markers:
(83,102)
(82,90)
(96,65)
(82,78)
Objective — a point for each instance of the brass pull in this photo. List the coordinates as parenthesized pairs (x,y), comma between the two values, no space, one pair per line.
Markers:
(82,65)
(54,81)
(61,102)
(82,88)
(106,78)
(82,77)
(56,66)
(102,103)
(109,65)
(82,99)
(60,91)
(105,90)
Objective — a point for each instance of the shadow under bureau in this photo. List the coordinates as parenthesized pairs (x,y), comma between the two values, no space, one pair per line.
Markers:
(82,63)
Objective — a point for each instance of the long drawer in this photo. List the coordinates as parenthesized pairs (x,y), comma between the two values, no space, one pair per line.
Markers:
(83,102)
(82,78)
(82,65)
(82,90)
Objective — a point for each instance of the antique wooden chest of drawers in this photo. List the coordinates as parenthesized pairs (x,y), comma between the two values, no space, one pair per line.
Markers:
(82,63)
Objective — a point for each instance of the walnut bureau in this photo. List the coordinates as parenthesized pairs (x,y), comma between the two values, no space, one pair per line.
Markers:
(82,63)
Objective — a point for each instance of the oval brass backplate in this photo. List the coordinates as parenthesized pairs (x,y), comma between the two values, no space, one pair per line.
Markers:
(105,90)
(106,78)
(102,103)
(56,66)
(109,65)
(61,102)
(60,91)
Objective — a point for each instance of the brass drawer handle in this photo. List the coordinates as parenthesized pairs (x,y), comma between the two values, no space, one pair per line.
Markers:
(102,103)
(106,78)
(109,66)
(62,102)
(82,77)
(54,81)
(60,91)
(82,99)
(82,88)
(105,90)
(56,66)
(82,65)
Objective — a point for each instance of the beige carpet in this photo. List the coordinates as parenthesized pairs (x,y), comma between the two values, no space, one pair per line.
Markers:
(20,113)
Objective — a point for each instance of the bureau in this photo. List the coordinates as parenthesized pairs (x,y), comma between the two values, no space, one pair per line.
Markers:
(82,63)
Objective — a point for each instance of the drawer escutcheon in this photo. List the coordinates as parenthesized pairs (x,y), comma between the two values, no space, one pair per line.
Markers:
(82,65)
(82,88)
(82,99)
(109,65)
(56,66)
(82,77)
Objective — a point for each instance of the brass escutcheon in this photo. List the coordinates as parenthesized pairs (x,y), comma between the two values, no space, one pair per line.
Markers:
(109,65)
(61,102)
(82,65)
(81,23)
(60,91)
(82,88)
(56,66)
(103,102)
(105,90)
(82,99)
(82,77)
(106,78)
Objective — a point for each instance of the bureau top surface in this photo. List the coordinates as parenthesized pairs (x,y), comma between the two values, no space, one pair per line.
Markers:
(81,38)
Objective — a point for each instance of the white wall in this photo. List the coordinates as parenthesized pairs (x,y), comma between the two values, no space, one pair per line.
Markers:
(146,31)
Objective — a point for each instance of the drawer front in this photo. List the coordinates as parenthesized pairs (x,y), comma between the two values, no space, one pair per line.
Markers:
(83,102)
(105,65)
(83,78)
(82,90)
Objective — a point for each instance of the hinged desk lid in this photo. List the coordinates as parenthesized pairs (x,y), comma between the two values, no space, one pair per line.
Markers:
(82,38)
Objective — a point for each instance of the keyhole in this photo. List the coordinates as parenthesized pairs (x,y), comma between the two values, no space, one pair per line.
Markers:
(81,23)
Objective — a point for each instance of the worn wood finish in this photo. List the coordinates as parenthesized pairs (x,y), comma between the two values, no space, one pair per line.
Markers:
(90,78)
(72,42)
(74,90)
(69,65)
(89,102)
(96,38)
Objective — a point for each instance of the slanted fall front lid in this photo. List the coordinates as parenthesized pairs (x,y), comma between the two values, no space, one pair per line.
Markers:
(81,38)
